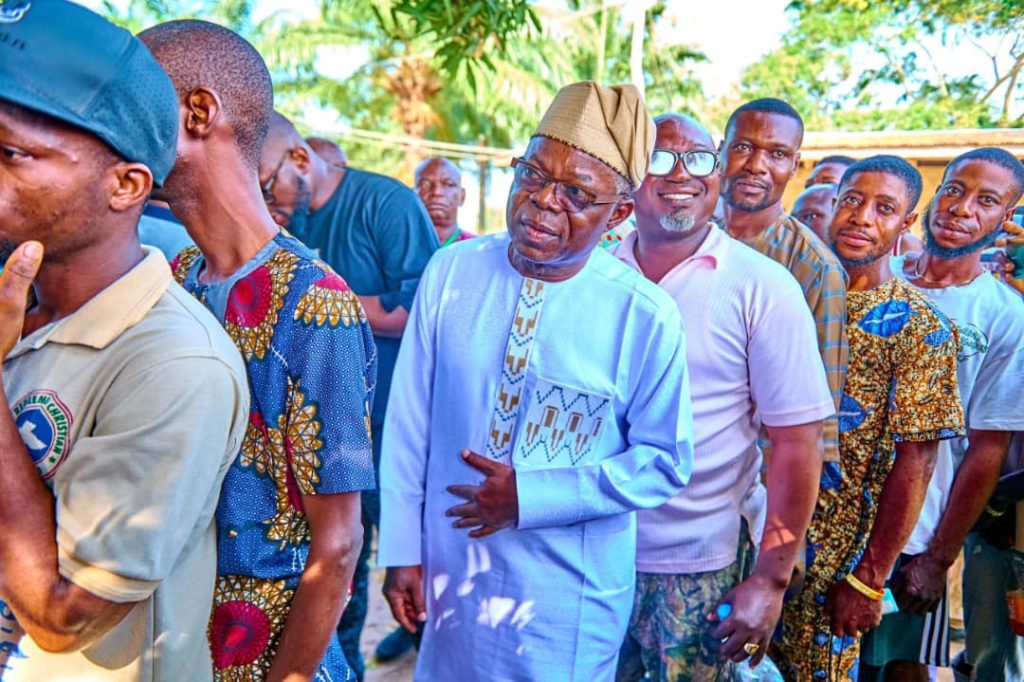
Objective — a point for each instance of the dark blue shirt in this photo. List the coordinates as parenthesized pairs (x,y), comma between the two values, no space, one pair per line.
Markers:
(376,234)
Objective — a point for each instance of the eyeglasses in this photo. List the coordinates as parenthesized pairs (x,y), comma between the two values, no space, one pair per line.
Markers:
(699,163)
(571,197)
(268,187)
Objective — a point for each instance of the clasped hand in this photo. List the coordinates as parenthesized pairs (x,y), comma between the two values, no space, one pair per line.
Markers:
(490,506)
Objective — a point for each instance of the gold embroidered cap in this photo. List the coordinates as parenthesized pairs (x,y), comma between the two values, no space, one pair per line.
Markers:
(609,123)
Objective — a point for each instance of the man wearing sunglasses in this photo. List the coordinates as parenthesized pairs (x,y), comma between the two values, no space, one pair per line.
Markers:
(508,529)
(750,336)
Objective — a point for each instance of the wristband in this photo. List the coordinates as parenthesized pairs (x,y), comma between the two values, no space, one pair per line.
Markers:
(868,592)
(994,513)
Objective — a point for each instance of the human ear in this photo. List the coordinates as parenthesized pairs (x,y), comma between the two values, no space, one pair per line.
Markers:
(300,158)
(621,211)
(134,182)
(202,111)
(908,221)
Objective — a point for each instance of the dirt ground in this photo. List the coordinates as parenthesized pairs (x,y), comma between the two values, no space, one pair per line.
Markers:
(379,623)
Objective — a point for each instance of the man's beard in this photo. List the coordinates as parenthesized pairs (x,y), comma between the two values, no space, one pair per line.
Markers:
(299,218)
(872,257)
(746,208)
(678,221)
(860,262)
(934,248)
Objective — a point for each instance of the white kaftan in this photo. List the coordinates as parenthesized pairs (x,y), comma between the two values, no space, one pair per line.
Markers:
(603,428)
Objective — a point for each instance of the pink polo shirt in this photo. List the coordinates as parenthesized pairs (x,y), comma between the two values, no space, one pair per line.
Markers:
(752,353)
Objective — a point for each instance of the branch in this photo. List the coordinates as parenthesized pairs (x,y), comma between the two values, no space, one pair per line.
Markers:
(990,55)
(1015,71)
(898,68)
(1011,74)
(935,68)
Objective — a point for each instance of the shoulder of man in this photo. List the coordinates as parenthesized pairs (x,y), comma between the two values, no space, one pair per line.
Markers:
(368,183)
(805,241)
(183,262)
(311,276)
(1007,305)
(178,327)
(632,285)
(758,267)
(928,321)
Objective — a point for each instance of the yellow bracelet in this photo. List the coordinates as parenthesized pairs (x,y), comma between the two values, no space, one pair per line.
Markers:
(868,592)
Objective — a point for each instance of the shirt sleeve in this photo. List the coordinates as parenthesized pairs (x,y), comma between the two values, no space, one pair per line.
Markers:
(406,241)
(993,404)
(148,475)
(403,466)
(787,389)
(826,298)
(925,399)
(657,462)
(331,372)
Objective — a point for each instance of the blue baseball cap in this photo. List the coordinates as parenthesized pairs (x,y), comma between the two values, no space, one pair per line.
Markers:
(65,61)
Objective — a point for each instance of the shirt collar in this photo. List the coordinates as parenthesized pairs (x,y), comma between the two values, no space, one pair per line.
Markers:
(713,248)
(109,313)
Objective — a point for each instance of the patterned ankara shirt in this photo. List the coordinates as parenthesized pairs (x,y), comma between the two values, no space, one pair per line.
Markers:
(823,280)
(311,364)
(901,387)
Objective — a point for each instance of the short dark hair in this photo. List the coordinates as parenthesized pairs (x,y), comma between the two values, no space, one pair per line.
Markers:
(201,54)
(839,159)
(997,157)
(890,165)
(766,105)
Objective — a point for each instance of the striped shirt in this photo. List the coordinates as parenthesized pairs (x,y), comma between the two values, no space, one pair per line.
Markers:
(823,280)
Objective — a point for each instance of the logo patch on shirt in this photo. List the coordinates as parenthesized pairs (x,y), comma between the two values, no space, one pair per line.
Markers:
(43,423)
(14,11)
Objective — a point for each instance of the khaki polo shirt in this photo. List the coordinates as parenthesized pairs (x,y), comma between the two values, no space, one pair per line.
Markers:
(132,408)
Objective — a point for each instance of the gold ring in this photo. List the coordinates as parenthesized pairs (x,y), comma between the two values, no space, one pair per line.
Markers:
(751,648)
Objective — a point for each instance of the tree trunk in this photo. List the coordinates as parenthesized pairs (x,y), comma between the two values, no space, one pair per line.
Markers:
(413,83)
(636,51)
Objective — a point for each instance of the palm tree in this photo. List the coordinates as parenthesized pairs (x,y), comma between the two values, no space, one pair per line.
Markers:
(403,86)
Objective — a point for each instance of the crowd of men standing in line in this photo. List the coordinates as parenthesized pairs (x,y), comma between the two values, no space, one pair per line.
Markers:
(707,453)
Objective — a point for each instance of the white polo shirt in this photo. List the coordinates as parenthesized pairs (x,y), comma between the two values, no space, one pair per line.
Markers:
(132,409)
(752,353)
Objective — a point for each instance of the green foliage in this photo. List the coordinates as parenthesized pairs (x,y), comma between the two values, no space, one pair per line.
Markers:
(861,65)
(407,83)
(465,71)
(136,15)
(466,30)
(669,84)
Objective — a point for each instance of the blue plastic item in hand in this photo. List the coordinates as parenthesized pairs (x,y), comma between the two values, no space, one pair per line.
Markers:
(723,611)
